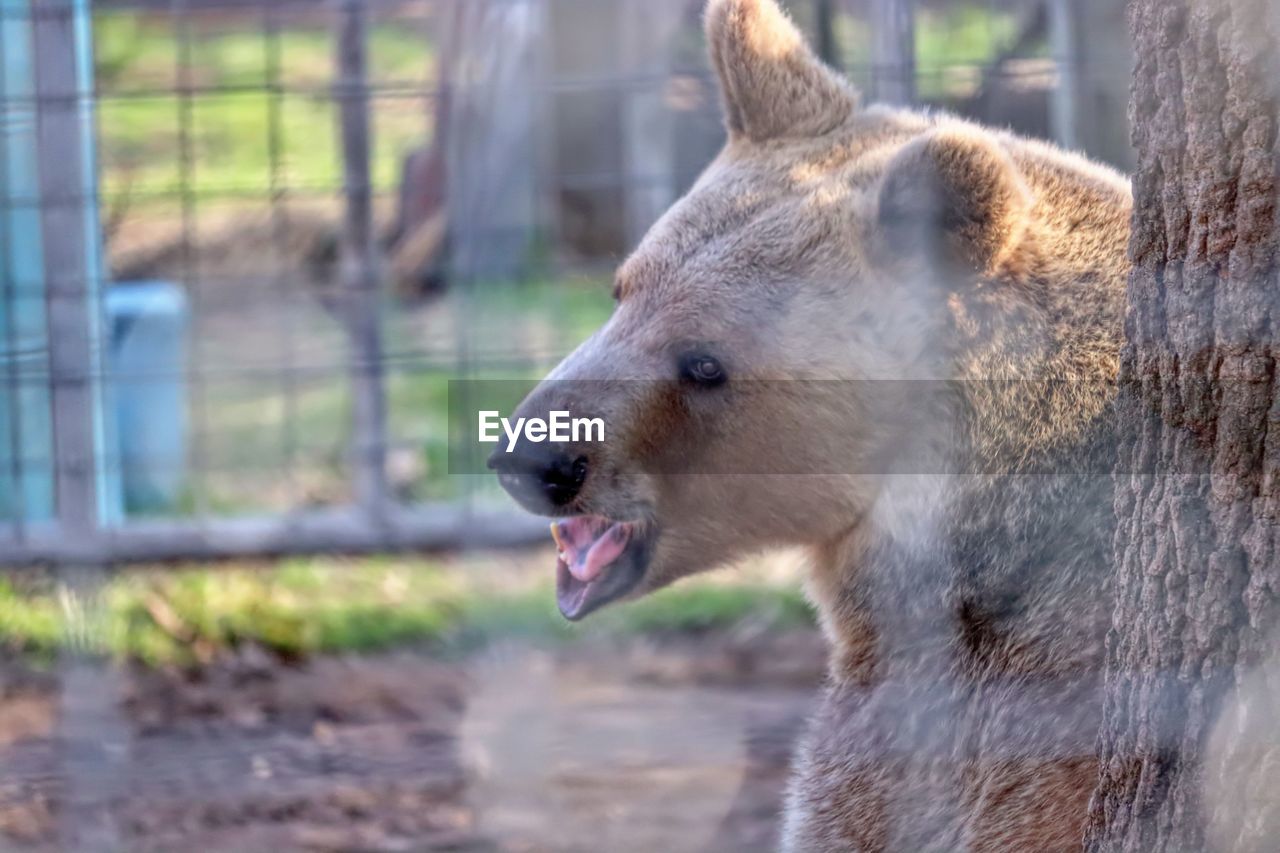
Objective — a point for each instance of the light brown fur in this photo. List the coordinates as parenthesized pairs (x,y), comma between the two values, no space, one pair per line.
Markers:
(920,319)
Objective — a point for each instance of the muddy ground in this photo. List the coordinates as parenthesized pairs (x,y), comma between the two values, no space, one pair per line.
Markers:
(673,745)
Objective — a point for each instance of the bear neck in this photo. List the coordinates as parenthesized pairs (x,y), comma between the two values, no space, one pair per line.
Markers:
(998,563)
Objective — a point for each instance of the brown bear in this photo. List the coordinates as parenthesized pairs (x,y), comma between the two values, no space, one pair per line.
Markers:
(890,338)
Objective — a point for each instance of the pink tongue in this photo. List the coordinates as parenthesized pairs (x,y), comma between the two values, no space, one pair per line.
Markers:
(590,544)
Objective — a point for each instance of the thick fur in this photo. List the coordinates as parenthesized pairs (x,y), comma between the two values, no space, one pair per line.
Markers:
(963,287)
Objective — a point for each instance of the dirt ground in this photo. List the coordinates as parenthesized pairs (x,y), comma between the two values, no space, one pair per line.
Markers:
(674,745)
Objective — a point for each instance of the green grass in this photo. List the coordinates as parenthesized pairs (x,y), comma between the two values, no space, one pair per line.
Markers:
(296,609)
(30,623)
(961,34)
(139,54)
(245,440)
(301,608)
(953,44)
(232,131)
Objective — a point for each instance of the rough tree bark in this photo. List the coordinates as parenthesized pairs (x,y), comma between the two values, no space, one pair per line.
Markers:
(1194,638)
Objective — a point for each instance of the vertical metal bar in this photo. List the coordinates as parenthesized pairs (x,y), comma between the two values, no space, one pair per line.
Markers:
(466,18)
(180,21)
(12,351)
(824,14)
(359,264)
(282,282)
(893,42)
(645,30)
(547,203)
(1063,47)
(70,282)
(91,749)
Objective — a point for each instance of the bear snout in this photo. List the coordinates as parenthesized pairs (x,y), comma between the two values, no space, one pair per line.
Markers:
(543,478)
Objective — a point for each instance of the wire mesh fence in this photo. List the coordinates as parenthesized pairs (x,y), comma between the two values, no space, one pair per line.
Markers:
(247,244)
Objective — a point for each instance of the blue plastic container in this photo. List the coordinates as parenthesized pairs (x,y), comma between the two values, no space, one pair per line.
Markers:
(147,322)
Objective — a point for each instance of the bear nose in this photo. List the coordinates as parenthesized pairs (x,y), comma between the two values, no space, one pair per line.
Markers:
(540,477)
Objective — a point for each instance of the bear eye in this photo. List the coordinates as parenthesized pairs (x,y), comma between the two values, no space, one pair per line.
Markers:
(702,369)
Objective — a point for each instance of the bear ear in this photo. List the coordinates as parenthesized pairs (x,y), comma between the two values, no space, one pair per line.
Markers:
(954,197)
(771,83)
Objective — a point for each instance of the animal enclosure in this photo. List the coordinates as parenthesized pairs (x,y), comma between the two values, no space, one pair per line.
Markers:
(246,247)
(248,244)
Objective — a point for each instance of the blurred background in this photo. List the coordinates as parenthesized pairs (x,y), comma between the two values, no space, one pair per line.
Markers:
(245,246)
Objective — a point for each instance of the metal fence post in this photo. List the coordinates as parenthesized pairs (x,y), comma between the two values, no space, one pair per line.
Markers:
(1064,48)
(360,265)
(67,236)
(646,28)
(93,751)
(825,28)
(893,51)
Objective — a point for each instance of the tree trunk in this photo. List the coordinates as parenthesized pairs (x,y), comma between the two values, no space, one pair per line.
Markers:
(1191,736)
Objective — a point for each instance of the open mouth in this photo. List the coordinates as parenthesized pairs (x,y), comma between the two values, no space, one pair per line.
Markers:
(599,561)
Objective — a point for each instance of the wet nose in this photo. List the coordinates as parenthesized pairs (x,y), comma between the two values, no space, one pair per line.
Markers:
(542,477)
